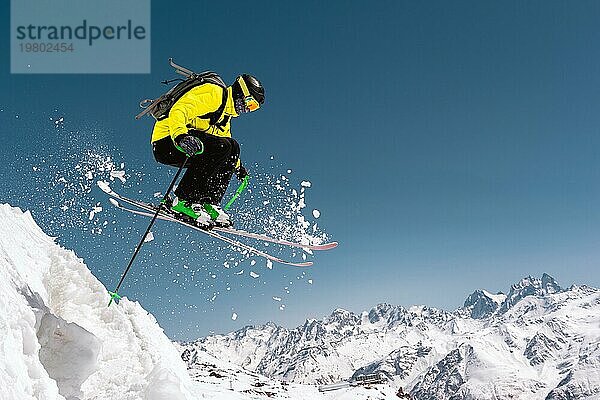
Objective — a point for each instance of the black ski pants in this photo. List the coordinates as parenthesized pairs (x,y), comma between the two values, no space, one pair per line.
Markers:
(208,174)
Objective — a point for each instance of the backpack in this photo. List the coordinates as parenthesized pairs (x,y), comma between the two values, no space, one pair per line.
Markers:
(159,108)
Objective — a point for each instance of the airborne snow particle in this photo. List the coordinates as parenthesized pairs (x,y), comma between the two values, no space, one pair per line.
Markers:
(269,264)
(234,316)
(149,238)
(254,274)
(316,213)
(94,211)
(306,184)
(310,281)
(276,298)
(119,175)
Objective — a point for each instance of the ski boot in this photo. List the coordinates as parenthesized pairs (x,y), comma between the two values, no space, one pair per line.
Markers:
(192,212)
(219,217)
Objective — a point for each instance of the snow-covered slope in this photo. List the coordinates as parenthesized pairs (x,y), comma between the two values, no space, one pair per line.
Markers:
(216,376)
(538,341)
(58,338)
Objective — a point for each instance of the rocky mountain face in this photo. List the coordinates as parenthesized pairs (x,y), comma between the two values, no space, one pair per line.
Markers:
(538,341)
(481,304)
(530,287)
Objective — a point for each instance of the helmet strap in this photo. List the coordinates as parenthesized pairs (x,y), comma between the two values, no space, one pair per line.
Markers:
(251,103)
(242,83)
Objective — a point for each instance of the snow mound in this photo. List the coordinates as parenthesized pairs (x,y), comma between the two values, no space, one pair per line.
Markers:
(61,341)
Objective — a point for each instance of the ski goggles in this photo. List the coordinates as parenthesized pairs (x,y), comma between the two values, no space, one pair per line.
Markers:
(251,103)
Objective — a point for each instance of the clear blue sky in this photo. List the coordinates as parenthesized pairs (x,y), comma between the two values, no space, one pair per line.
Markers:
(451,146)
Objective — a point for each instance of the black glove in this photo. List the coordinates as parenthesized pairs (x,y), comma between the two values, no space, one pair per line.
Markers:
(241,173)
(189,144)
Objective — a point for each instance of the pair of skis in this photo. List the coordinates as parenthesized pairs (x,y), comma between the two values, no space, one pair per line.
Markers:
(148,210)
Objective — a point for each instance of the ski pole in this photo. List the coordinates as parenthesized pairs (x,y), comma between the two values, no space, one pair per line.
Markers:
(114,295)
(239,191)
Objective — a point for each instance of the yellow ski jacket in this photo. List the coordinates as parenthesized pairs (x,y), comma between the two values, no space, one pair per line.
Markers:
(190,112)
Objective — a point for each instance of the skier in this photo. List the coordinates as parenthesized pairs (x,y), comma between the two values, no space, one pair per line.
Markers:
(198,128)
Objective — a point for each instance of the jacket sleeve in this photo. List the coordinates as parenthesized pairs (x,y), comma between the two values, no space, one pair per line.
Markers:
(198,101)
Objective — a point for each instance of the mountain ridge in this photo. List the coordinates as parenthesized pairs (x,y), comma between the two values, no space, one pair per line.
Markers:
(523,341)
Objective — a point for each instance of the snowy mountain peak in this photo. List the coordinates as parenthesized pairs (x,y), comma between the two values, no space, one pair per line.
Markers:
(530,286)
(379,312)
(545,285)
(481,304)
(386,315)
(550,284)
(341,318)
(341,313)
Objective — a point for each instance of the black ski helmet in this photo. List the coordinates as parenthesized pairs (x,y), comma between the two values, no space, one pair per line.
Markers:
(253,85)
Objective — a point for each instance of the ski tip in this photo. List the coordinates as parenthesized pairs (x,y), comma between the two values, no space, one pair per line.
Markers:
(325,246)
(105,187)
(304,264)
(329,246)
(114,202)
